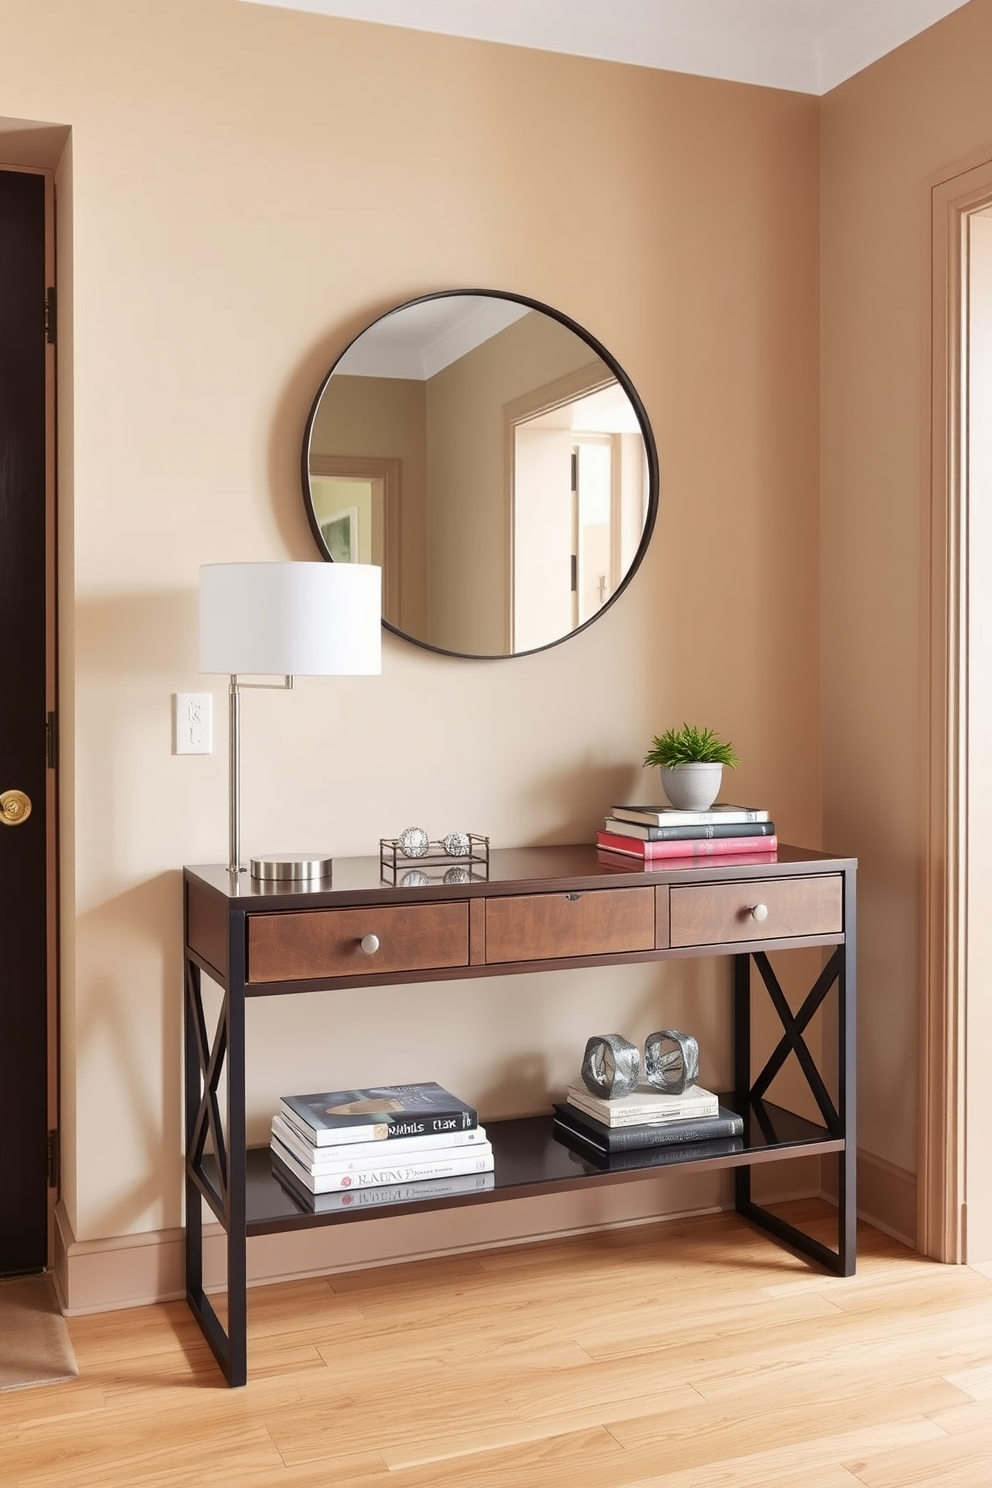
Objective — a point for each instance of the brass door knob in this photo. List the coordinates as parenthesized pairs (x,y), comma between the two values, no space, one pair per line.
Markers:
(15,808)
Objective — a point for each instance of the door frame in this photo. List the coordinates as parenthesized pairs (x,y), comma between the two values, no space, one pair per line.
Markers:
(51,705)
(943,1153)
(386,474)
(546,399)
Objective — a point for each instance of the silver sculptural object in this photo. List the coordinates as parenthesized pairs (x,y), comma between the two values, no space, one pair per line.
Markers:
(611,1066)
(671,1060)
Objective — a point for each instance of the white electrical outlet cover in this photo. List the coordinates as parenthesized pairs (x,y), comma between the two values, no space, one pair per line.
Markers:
(192,726)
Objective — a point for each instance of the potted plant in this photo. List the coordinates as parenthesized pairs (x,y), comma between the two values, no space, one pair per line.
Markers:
(691,761)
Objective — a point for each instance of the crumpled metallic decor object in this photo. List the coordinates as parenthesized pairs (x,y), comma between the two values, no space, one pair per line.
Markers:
(671,1060)
(611,1066)
(414,842)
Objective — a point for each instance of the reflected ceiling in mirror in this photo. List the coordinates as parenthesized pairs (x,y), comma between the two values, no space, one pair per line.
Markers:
(496,462)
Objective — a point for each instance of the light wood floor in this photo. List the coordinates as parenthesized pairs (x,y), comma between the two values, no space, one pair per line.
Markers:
(687,1355)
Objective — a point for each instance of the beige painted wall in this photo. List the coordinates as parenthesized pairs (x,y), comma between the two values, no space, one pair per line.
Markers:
(215,161)
(888,134)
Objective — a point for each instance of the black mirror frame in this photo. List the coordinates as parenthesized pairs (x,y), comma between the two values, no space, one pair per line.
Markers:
(650,449)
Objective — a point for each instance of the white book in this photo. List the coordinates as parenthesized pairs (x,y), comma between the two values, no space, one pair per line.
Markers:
(645,1105)
(353,1200)
(662,816)
(449,1165)
(360,1154)
(344,1163)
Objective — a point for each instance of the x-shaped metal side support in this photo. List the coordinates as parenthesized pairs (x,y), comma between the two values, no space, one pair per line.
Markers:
(222,1187)
(838,1119)
(792,1040)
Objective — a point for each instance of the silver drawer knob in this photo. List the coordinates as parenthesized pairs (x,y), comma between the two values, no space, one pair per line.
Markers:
(370,944)
(759,912)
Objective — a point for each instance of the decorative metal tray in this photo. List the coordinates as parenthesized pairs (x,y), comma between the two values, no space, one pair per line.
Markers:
(413,859)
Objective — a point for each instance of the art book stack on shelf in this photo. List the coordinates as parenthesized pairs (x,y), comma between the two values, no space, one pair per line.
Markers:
(620,1130)
(658,832)
(340,1142)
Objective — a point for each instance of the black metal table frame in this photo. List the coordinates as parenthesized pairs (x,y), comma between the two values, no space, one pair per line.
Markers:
(223,1188)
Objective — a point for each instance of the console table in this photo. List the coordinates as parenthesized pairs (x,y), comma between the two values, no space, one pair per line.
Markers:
(536,909)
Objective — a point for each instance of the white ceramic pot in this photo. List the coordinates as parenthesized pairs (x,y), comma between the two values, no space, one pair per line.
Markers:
(692,787)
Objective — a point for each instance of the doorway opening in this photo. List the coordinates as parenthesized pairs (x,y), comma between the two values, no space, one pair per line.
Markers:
(578,493)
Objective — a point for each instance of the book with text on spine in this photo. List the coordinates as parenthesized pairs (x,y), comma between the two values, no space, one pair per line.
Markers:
(360,1165)
(570,1121)
(380,1113)
(444,1163)
(364,1200)
(332,1155)
(645,1104)
(696,847)
(661,816)
(688,833)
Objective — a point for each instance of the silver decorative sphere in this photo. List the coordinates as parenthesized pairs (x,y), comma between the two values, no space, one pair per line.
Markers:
(456,844)
(414,842)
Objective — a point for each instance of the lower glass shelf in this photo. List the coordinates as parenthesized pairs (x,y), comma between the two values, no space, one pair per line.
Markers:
(529,1159)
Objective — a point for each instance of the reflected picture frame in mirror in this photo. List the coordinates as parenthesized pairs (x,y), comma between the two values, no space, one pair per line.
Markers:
(494,459)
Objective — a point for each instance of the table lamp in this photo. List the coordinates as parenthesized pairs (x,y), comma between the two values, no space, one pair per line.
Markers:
(288,619)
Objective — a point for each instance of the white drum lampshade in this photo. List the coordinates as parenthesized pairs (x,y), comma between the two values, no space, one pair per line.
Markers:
(285,619)
(291,619)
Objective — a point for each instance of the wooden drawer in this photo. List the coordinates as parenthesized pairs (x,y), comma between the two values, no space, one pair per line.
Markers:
(716,914)
(328,942)
(542,927)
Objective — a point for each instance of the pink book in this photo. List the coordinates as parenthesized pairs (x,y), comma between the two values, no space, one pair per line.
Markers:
(696,847)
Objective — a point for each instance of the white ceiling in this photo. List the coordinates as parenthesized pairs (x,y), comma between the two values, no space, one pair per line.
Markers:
(806,46)
(417,341)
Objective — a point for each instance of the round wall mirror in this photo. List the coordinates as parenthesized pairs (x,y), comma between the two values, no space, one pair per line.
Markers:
(494,459)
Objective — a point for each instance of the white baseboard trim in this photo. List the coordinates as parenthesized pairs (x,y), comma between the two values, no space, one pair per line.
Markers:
(120,1271)
(886,1195)
(135,1270)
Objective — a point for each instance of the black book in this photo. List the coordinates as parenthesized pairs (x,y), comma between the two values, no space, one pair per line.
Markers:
(570,1121)
(645,1158)
(378,1113)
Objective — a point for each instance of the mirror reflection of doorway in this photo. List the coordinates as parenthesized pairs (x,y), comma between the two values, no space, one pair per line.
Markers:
(579,488)
(356,506)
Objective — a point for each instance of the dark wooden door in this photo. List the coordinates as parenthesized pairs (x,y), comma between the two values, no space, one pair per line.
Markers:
(24,668)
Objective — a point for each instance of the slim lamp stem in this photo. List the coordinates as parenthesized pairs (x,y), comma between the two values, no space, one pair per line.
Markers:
(234,862)
(234,776)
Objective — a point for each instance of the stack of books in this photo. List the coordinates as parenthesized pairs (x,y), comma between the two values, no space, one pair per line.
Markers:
(649,1118)
(652,832)
(341,1141)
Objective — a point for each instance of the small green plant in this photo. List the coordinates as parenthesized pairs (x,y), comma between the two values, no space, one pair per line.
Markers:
(689,745)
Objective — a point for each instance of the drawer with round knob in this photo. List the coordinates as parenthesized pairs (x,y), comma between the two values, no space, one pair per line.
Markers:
(756,909)
(369,942)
